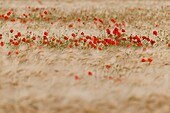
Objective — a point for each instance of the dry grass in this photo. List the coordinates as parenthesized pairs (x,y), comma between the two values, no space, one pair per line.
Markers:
(42,80)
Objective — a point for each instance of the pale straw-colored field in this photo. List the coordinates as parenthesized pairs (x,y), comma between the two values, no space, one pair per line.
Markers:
(45,79)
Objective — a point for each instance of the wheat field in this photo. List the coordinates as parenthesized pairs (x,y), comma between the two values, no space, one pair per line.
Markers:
(42,72)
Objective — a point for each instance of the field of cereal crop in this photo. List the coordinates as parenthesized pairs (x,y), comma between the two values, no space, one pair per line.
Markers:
(84,56)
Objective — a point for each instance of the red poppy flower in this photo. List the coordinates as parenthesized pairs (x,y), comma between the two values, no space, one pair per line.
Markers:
(169,45)
(90,73)
(82,33)
(101,21)
(124,39)
(123,30)
(60,42)
(70,25)
(76,77)
(11,31)
(108,66)
(143,37)
(128,46)
(18,34)
(9,53)
(115,31)
(99,48)
(17,52)
(33,38)
(148,39)
(144,49)
(155,33)
(28,41)
(78,20)
(108,31)
(94,46)
(45,37)
(139,44)
(45,12)
(88,37)
(11,40)
(8,13)
(12,20)
(24,39)
(76,44)
(65,37)
(117,43)
(143,60)
(73,35)
(150,60)
(2,43)
(95,19)
(16,43)
(119,34)
(113,20)
(137,38)
(110,78)
(70,46)
(46,33)
(85,40)
(6,17)
(152,42)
